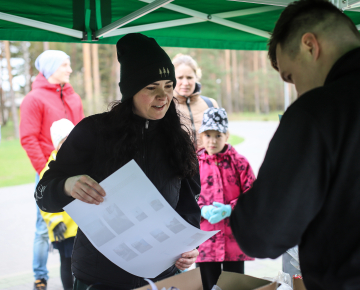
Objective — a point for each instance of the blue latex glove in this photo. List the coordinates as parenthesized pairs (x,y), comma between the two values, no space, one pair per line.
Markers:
(206,211)
(220,212)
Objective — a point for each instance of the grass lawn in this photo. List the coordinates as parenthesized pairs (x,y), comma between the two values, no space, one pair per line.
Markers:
(15,166)
(235,140)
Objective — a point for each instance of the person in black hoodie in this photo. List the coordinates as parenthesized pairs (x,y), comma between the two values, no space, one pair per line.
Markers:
(144,126)
(308,188)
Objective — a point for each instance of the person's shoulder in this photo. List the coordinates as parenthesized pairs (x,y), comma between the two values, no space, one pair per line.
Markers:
(232,152)
(214,102)
(34,97)
(201,153)
(93,120)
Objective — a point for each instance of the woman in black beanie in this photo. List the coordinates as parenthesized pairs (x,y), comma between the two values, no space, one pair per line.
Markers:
(144,126)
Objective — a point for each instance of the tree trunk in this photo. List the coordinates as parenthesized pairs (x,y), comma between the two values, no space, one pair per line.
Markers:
(265,83)
(12,94)
(2,117)
(73,55)
(26,55)
(235,81)
(46,46)
(87,79)
(228,82)
(96,75)
(241,81)
(256,82)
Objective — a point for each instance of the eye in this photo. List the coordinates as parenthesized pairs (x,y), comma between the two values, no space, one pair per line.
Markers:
(150,88)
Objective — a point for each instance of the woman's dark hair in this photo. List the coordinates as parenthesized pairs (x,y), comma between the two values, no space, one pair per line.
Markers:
(124,137)
(300,17)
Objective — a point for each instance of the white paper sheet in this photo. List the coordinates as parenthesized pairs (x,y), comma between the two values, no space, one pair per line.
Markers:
(135,227)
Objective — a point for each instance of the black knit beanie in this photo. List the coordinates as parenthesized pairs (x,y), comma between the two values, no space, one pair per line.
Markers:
(142,62)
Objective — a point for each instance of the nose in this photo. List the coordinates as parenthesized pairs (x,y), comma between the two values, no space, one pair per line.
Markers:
(185,82)
(161,94)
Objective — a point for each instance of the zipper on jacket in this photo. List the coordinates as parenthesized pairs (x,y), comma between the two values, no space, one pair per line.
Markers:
(144,142)
(62,100)
(192,120)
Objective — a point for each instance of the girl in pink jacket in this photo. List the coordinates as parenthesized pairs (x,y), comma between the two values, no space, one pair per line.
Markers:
(224,175)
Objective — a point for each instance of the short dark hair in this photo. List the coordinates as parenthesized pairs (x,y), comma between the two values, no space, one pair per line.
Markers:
(300,17)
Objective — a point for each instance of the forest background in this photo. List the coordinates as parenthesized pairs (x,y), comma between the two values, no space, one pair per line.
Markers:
(243,82)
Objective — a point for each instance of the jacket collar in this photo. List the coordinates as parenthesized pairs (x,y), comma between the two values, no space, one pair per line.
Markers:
(41,82)
(194,96)
(203,155)
(145,123)
(347,64)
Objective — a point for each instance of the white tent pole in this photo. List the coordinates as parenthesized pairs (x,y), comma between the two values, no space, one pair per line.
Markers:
(186,21)
(154,26)
(215,19)
(132,16)
(41,25)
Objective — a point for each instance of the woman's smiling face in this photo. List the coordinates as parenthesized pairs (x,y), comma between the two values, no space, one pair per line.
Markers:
(153,101)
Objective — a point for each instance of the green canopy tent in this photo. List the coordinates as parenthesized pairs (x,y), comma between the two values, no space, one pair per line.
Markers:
(218,24)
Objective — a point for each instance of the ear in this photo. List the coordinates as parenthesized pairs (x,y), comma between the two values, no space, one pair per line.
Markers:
(310,45)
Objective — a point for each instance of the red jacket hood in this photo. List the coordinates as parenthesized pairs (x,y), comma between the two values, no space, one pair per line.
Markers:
(41,82)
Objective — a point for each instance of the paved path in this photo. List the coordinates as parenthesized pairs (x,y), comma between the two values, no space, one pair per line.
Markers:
(17,224)
(18,216)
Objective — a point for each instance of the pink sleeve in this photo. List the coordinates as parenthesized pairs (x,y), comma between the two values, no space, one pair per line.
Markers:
(246,176)
(30,126)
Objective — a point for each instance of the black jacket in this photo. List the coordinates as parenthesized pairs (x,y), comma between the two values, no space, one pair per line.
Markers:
(82,153)
(308,188)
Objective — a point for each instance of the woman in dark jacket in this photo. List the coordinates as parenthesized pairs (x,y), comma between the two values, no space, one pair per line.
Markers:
(144,126)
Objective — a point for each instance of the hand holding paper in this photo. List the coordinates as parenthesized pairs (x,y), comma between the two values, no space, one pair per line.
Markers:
(84,188)
(187,259)
(134,227)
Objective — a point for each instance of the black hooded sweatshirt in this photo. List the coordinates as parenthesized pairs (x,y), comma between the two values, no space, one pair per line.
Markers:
(308,187)
(84,152)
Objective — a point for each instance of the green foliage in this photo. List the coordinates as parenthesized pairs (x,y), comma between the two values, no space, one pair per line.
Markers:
(235,140)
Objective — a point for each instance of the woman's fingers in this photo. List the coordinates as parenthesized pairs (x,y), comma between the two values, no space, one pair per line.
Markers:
(84,188)
(93,184)
(187,259)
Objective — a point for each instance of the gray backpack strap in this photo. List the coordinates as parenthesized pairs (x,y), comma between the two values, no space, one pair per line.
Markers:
(207,101)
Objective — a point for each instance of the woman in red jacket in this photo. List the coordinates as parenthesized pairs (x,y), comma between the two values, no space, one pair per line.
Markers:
(224,175)
(51,99)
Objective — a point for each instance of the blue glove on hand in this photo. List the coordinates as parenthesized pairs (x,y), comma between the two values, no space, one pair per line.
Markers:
(220,212)
(206,211)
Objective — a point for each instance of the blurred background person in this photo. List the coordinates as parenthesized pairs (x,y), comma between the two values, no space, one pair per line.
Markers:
(190,103)
(51,98)
(62,229)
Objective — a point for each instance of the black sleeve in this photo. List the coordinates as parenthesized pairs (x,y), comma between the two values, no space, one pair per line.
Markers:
(187,205)
(289,191)
(75,157)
